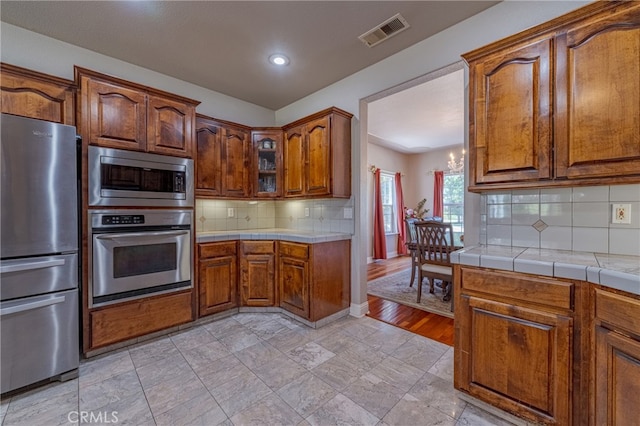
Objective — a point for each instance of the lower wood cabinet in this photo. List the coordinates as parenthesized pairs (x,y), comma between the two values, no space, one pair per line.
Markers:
(514,342)
(257,273)
(616,397)
(314,279)
(112,324)
(217,277)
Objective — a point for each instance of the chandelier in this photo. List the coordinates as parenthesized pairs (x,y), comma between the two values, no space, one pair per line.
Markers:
(456,166)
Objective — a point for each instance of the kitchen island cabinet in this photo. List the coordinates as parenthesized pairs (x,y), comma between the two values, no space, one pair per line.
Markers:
(616,397)
(36,95)
(543,102)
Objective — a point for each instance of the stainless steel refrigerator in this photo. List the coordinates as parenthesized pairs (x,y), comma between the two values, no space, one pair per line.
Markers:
(39,252)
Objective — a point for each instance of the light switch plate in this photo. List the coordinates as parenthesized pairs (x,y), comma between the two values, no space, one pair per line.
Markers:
(306,212)
(348,212)
(231,212)
(621,213)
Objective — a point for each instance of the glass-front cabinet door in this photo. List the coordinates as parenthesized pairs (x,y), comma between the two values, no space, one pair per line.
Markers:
(267,163)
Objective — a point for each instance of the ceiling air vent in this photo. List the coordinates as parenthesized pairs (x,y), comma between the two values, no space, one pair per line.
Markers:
(392,26)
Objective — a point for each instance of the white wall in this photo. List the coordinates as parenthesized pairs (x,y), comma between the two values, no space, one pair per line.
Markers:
(388,161)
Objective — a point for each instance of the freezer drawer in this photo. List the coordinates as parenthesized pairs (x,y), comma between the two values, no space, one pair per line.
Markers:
(38,275)
(39,338)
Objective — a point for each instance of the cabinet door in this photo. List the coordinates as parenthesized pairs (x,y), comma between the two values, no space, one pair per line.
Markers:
(511,115)
(294,163)
(617,382)
(519,359)
(208,158)
(118,117)
(257,280)
(266,167)
(598,129)
(34,95)
(294,285)
(217,280)
(318,157)
(170,127)
(235,164)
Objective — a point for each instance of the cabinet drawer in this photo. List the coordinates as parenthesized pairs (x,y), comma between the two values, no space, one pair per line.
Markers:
(207,250)
(618,311)
(300,251)
(258,247)
(553,293)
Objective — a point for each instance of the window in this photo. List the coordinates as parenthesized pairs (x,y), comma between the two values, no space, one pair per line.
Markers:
(453,204)
(388,192)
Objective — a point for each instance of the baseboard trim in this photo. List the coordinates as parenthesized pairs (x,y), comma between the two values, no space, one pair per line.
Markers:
(360,310)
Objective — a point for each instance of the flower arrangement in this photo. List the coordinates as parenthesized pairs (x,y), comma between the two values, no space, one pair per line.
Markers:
(418,212)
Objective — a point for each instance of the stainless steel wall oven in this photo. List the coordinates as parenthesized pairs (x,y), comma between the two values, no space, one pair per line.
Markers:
(138,253)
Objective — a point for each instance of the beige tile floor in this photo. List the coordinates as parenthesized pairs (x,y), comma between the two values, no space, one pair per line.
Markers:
(260,369)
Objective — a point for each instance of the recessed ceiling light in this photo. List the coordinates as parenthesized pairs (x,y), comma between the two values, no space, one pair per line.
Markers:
(279,59)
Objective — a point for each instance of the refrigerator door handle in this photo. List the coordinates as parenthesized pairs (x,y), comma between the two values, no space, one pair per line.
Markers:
(31,305)
(29,266)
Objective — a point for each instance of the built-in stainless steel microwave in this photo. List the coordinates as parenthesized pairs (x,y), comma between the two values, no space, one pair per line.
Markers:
(129,178)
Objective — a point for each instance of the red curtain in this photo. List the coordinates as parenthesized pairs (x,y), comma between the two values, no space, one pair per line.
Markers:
(438,188)
(379,241)
(402,233)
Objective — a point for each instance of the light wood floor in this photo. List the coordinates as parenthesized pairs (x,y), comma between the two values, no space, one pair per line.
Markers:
(426,324)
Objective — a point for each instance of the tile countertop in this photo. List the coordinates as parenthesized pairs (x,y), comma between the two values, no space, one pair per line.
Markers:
(615,271)
(282,234)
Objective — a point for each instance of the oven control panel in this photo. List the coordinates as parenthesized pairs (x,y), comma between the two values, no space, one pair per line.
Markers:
(122,219)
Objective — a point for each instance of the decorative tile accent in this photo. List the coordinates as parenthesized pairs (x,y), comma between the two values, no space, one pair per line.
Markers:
(540,226)
(202,219)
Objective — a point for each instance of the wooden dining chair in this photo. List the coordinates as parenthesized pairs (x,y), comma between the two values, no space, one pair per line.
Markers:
(412,246)
(435,244)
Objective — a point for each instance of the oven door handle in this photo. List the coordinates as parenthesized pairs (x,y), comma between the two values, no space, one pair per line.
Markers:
(141,234)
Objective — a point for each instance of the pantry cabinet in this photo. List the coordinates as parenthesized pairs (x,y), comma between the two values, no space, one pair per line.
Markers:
(257,273)
(558,104)
(120,114)
(317,155)
(222,159)
(514,343)
(217,277)
(616,396)
(36,95)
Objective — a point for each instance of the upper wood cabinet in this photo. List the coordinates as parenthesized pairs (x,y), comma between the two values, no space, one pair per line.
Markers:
(558,104)
(266,168)
(222,158)
(36,95)
(317,155)
(119,114)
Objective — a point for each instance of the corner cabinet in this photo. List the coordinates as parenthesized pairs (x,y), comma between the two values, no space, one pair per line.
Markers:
(36,95)
(538,116)
(217,277)
(317,155)
(222,159)
(515,343)
(258,273)
(616,395)
(120,114)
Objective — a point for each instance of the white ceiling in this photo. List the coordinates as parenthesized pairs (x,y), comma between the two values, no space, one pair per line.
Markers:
(421,118)
(224,46)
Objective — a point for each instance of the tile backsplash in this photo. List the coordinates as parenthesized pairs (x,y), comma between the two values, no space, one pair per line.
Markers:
(320,215)
(562,218)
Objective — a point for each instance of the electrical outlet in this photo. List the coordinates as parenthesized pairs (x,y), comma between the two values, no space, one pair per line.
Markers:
(306,212)
(621,213)
(348,212)
(231,212)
